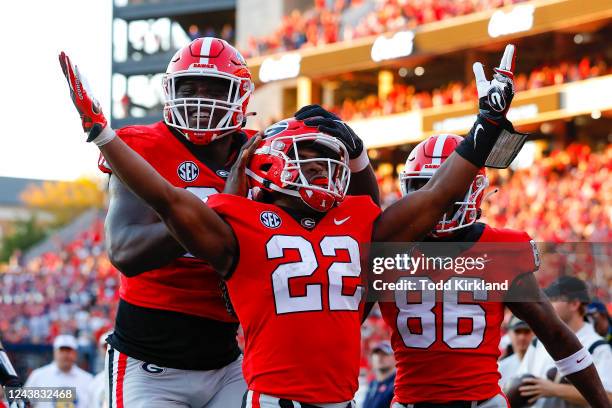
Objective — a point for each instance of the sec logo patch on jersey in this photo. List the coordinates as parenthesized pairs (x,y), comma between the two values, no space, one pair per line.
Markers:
(188,171)
(270,219)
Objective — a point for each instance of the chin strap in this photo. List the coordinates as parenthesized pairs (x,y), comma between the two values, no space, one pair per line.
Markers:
(490,193)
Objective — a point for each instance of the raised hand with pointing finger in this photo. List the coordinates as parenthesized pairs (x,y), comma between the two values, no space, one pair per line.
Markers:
(492,141)
(495,96)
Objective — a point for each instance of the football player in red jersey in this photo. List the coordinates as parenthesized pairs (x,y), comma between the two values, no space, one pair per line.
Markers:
(446,342)
(291,257)
(173,330)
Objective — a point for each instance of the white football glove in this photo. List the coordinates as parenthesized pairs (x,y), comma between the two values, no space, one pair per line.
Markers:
(495,96)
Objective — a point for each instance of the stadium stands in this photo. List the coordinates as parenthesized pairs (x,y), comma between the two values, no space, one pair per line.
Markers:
(342,20)
(405,97)
(548,199)
(72,290)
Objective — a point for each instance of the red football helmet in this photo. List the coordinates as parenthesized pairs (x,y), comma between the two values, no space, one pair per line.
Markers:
(207,57)
(276,164)
(421,165)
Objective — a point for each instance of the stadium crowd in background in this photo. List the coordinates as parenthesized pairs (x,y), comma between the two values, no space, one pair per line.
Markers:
(404,97)
(565,197)
(331,21)
(547,199)
(72,291)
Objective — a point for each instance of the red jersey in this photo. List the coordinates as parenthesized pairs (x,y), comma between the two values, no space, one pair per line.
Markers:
(185,285)
(298,292)
(448,350)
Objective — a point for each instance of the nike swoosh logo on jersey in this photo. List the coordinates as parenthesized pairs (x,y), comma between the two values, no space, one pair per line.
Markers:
(579,361)
(478,127)
(342,221)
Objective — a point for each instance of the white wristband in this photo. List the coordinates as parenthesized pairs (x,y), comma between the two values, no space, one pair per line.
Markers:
(105,136)
(359,163)
(574,363)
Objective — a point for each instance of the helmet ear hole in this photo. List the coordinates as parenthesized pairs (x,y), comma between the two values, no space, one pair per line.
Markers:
(265,167)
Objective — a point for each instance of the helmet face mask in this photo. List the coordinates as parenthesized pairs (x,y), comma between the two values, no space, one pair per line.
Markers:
(337,174)
(287,163)
(203,119)
(422,163)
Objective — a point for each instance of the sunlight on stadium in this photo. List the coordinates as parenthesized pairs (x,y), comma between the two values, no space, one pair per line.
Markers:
(309,203)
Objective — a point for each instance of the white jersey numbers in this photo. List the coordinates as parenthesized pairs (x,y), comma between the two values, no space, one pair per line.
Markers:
(452,311)
(312,300)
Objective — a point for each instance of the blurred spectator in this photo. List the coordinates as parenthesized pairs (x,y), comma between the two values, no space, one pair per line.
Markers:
(520,337)
(600,318)
(126,105)
(209,32)
(64,373)
(569,297)
(194,32)
(380,390)
(227,33)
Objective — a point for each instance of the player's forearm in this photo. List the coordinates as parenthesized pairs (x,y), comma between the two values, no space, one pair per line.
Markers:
(557,338)
(588,384)
(569,393)
(450,182)
(412,217)
(138,175)
(140,248)
(364,183)
(204,234)
(191,223)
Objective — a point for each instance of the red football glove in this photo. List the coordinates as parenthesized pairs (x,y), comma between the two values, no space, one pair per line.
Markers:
(92,118)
